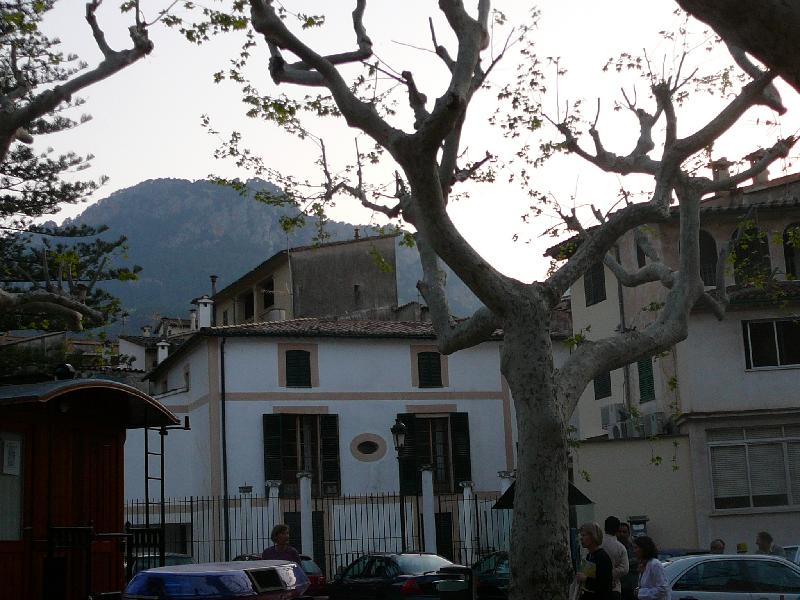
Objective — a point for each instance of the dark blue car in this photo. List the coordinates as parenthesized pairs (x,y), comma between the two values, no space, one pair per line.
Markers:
(389,576)
(258,579)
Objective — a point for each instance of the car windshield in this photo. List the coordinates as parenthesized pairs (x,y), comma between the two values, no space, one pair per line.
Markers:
(310,567)
(416,564)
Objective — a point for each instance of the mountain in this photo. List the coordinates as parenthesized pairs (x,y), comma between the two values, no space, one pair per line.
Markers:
(180,232)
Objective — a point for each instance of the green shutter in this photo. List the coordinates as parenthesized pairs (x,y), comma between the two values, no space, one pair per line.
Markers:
(429,368)
(298,368)
(329,454)
(602,385)
(410,477)
(289,458)
(647,390)
(459,432)
(272,447)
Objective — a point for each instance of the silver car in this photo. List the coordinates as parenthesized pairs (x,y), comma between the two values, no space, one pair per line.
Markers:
(732,577)
(793,553)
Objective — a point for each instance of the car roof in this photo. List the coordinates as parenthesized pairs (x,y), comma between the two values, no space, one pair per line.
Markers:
(682,563)
(222,567)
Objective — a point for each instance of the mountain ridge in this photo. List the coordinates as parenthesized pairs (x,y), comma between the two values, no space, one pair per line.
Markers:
(180,232)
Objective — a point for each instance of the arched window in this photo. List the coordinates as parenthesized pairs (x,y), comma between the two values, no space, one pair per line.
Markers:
(791,250)
(708,258)
(751,264)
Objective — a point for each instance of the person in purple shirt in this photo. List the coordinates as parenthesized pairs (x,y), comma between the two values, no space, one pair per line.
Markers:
(281,550)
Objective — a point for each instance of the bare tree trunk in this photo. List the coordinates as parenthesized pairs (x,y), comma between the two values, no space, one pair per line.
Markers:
(540,559)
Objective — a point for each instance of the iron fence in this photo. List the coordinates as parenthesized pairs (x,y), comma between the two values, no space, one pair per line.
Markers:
(344,527)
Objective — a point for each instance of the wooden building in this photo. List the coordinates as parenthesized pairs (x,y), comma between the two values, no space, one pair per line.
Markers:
(61,485)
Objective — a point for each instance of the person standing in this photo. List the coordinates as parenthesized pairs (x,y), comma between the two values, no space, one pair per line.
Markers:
(628,582)
(617,553)
(766,546)
(717,546)
(652,579)
(281,549)
(595,578)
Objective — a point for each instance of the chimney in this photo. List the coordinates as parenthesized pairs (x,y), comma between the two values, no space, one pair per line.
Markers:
(146,330)
(213,284)
(720,168)
(356,233)
(163,351)
(205,306)
(754,157)
(193,319)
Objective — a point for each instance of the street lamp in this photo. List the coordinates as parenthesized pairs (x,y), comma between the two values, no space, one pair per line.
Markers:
(399,436)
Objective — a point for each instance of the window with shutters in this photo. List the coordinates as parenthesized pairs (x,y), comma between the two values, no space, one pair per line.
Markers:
(428,367)
(755,466)
(602,386)
(301,442)
(594,284)
(298,365)
(647,389)
(441,441)
(771,343)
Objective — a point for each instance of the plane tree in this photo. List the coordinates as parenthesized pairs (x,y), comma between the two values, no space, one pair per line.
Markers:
(430,160)
(41,276)
(765,29)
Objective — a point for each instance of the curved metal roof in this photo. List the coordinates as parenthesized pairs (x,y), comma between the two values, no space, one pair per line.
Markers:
(134,408)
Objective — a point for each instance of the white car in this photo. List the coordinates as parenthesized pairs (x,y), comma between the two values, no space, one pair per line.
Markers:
(733,577)
(793,553)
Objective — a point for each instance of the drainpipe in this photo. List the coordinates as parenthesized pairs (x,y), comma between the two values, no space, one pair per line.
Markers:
(291,278)
(226,518)
(626,370)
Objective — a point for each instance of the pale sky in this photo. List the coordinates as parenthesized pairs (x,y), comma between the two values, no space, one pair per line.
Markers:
(146,119)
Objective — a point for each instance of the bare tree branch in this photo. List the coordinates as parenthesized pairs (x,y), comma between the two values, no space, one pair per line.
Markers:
(451,335)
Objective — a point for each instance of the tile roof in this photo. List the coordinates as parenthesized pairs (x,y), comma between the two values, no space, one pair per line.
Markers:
(329,327)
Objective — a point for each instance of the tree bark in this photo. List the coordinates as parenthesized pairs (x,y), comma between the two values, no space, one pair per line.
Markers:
(767,29)
(539,552)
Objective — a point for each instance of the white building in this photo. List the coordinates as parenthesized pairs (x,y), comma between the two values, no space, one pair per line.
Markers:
(320,395)
(730,391)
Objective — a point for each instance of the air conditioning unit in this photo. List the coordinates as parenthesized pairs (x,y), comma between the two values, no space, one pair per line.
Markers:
(610,415)
(652,424)
(628,428)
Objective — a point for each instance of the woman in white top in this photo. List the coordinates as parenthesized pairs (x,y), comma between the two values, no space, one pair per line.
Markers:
(652,579)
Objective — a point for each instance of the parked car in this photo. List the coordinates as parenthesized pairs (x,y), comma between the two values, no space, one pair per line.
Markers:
(732,577)
(151,560)
(665,554)
(259,579)
(318,585)
(389,576)
(493,576)
(792,553)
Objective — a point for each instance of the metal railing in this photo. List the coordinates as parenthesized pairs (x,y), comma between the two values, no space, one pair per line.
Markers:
(344,527)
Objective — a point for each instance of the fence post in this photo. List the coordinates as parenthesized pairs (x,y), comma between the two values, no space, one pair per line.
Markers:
(306,531)
(273,505)
(428,515)
(467,518)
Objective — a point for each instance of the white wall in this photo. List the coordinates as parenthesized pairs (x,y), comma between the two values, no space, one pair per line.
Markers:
(349,372)
(723,383)
(135,351)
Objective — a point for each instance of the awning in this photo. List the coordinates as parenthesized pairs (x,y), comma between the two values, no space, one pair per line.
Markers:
(109,400)
(574,496)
